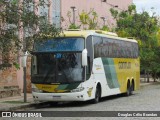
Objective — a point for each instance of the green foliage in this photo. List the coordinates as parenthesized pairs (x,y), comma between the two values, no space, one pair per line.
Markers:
(144,28)
(141,26)
(73,26)
(17,66)
(84,16)
(158,37)
(69,16)
(15,16)
(89,19)
(105,28)
(114,13)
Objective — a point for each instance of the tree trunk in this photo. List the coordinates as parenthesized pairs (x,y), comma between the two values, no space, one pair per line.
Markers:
(145,76)
(154,78)
(148,77)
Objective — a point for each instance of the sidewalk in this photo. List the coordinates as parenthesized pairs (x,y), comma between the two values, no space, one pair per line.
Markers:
(17,102)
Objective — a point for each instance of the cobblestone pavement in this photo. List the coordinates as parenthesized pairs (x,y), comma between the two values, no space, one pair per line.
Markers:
(145,99)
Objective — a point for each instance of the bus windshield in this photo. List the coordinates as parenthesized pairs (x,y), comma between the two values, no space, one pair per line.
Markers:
(56,61)
(59,44)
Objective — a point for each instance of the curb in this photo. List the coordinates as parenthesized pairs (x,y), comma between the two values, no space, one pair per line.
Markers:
(150,83)
(21,107)
(144,84)
(17,107)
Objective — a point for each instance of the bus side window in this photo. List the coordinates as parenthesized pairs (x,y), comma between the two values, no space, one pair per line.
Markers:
(88,71)
(34,65)
(89,47)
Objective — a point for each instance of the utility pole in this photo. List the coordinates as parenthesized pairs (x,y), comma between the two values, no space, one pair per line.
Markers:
(24,64)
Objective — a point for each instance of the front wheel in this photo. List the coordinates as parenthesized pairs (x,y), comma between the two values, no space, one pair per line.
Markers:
(97,95)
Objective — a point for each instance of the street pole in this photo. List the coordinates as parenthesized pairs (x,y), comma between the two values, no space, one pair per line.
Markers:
(24,64)
(24,84)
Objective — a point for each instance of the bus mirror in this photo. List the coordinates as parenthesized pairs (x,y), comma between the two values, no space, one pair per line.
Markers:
(84,57)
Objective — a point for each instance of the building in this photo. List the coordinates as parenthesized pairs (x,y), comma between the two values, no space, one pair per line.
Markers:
(11,80)
(8,76)
(101,7)
(52,11)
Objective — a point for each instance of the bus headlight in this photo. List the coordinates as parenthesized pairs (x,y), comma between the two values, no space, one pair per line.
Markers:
(37,90)
(78,89)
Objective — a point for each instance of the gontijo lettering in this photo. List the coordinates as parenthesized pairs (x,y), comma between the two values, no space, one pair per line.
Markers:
(124,65)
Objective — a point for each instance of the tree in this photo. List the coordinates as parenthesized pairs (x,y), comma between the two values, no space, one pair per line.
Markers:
(89,19)
(142,27)
(155,64)
(19,15)
(105,28)
(72,25)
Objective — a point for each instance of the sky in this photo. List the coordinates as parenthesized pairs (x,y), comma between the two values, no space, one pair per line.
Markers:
(147,5)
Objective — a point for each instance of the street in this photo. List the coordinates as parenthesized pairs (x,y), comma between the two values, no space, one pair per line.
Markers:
(145,99)
(71,50)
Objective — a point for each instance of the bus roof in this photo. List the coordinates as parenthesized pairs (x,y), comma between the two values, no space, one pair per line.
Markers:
(86,33)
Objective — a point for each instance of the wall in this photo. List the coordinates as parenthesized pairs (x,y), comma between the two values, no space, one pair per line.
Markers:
(13,77)
(102,9)
(8,83)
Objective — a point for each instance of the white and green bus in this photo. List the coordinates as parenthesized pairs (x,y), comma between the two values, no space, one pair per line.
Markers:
(84,65)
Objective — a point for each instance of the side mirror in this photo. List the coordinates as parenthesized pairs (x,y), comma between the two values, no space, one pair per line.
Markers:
(84,57)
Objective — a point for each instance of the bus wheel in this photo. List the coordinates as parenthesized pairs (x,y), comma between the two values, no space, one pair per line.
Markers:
(97,95)
(132,88)
(128,92)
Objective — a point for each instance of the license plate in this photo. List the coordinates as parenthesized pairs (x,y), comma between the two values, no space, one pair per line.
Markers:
(56,96)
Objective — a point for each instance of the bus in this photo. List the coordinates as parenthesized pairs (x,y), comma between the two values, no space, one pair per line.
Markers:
(84,65)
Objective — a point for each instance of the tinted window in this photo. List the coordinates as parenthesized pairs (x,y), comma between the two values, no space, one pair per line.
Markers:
(59,44)
(106,47)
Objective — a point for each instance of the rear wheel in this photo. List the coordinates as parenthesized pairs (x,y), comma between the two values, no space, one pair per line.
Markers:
(132,88)
(128,92)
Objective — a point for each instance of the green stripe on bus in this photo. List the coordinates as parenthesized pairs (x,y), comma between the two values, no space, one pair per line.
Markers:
(62,87)
(72,86)
(110,72)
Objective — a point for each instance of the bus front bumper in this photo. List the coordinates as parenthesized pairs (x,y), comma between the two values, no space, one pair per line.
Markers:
(77,96)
